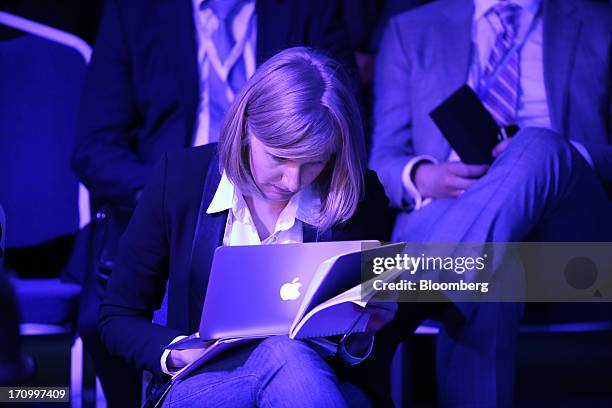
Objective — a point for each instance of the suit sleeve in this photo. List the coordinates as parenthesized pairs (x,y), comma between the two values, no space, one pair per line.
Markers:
(600,32)
(392,146)
(108,118)
(380,215)
(137,285)
(601,153)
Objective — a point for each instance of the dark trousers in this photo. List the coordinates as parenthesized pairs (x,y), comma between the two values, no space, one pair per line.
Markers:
(120,381)
(539,189)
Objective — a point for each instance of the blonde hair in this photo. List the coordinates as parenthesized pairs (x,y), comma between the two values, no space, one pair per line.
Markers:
(300,104)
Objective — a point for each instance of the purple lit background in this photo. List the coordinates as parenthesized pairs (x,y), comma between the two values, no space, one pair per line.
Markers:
(563,357)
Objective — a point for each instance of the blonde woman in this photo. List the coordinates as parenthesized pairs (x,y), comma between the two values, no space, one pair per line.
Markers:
(289,168)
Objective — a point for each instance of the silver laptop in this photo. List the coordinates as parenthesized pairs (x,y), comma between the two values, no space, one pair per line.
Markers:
(252,292)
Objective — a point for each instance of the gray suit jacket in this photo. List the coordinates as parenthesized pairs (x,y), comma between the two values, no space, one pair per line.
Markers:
(426,54)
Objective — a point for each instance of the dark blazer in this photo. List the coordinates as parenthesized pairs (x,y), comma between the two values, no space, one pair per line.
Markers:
(170,240)
(141,92)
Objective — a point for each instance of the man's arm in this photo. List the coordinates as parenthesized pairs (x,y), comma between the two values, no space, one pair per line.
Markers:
(109,118)
(392,146)
(408,178)
(598,35)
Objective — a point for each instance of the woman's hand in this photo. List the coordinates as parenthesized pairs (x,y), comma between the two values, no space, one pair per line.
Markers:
(381,313)
(178,359)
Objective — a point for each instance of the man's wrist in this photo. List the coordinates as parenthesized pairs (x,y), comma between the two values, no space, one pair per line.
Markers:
(409,182)
(417,171)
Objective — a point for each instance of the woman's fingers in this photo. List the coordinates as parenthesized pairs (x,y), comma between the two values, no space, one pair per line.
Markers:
(377,307)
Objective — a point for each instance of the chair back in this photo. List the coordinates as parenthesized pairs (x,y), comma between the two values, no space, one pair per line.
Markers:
(41,76)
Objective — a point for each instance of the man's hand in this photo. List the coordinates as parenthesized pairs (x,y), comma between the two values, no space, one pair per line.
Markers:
(448,179)
(500,147)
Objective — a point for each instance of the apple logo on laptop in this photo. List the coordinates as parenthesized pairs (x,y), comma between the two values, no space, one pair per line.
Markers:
(291,290)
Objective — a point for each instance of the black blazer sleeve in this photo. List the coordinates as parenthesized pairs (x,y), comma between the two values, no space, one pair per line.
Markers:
(380,217)
(373,218)
(137,284)
(103,158)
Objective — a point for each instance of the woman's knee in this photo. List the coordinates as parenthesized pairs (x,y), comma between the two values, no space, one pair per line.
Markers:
(284,349)
(282,354)
(293,374)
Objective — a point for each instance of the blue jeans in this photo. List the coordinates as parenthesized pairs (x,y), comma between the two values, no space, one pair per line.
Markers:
(280,372)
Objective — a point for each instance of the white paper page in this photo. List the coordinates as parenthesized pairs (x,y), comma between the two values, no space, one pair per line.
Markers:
(335,316)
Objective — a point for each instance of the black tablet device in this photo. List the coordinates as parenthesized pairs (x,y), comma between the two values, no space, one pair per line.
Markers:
(467,125)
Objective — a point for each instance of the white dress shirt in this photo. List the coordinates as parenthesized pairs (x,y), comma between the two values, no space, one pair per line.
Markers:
(532,109)
(240,228)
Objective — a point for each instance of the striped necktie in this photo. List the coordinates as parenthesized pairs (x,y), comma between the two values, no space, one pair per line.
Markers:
(223,73)
(501,99)
(225,10)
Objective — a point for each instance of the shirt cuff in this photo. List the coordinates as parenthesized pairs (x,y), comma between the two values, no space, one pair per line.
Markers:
(164,358)
(409,186)
(584,152)
(351,360)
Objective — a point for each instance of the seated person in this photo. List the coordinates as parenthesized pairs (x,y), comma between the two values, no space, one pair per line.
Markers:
(545,184)
(289,168)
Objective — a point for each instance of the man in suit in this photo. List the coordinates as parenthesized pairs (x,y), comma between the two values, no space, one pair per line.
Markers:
(160,78)
(412,81)
(557,79)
